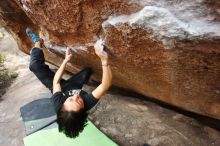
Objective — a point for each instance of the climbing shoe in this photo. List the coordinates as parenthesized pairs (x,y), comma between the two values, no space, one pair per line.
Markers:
(32,35)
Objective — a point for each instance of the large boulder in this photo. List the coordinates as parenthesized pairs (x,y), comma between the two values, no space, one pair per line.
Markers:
(167,50)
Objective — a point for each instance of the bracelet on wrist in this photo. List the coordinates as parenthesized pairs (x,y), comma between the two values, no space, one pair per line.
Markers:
(105,64)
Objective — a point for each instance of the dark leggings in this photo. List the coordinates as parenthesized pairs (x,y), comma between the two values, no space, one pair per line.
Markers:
(45,75)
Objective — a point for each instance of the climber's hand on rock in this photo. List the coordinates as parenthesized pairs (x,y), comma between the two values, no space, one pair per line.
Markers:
(99,50)
(68,54)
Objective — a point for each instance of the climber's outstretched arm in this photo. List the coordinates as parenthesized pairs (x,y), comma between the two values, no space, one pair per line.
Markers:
(106,69)
(60,71)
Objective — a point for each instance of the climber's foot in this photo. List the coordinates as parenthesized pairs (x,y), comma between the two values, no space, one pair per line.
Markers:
(38,42)
(32,35)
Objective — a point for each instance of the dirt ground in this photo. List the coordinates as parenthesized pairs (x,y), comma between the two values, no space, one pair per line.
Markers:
(126,118)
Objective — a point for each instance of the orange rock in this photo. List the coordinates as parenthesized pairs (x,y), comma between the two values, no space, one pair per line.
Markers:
(164,50)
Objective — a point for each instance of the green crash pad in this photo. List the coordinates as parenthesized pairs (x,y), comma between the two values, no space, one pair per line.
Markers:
(90,136)
(35,125)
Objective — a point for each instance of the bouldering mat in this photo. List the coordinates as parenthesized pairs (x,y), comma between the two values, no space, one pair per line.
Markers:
(90,136)
(40,124)
(38,114)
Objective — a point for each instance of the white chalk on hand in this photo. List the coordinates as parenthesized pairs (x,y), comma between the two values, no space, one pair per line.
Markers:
(99,48)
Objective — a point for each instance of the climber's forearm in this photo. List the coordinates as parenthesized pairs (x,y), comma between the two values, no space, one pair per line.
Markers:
(106,75)
(106,80)
(59,73)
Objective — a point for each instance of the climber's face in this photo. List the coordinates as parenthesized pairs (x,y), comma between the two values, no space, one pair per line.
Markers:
(73,103)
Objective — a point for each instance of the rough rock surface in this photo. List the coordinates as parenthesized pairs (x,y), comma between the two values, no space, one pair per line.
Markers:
(167,49)
(133,124)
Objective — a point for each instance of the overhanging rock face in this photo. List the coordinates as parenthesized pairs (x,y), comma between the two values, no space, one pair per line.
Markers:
(168,50)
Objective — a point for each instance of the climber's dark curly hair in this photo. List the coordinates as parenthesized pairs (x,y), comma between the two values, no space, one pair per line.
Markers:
(71,123)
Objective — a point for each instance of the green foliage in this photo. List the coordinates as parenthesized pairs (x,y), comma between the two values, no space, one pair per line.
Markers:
(1,35)
(13,74)
(6,76)
(1,59)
